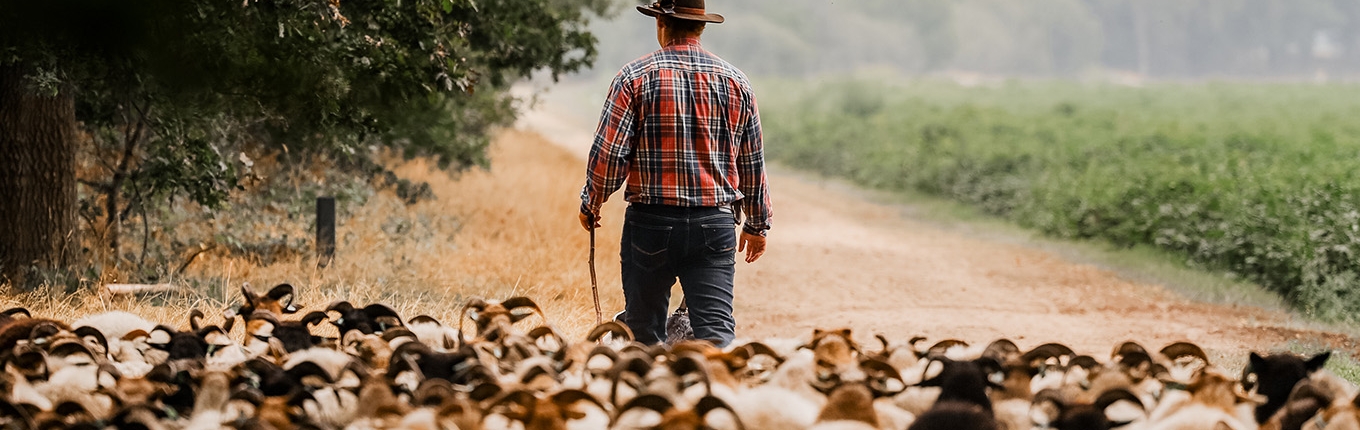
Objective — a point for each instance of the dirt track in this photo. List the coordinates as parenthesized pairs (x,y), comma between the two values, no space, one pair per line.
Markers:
(838,259)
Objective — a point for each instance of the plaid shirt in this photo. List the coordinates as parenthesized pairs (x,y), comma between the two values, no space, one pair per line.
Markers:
(681,126)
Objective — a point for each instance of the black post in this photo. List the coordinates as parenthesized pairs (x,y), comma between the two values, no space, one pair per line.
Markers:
(325,231)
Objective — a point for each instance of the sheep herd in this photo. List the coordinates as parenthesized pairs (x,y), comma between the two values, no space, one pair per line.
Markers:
(116,370)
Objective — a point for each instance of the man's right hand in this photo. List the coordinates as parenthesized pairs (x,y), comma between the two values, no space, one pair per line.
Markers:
(753,245)
(585,221)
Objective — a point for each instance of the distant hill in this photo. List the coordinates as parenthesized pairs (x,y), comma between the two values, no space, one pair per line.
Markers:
(1153,38)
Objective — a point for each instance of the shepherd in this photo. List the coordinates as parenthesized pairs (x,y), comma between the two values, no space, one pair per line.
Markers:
(681,127)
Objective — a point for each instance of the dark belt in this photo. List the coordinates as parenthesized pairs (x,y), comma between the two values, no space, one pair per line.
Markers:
(677,210)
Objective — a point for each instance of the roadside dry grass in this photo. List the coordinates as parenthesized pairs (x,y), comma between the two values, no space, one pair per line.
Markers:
(489,233)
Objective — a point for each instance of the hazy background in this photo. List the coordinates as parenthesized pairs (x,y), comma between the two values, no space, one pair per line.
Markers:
(1117,39)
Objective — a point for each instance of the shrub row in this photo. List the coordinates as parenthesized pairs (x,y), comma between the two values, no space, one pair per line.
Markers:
(1256,179)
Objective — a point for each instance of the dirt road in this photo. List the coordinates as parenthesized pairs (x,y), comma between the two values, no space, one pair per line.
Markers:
(838,259)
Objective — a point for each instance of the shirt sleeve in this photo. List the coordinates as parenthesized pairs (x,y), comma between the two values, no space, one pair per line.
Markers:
(751,168)
(607,166)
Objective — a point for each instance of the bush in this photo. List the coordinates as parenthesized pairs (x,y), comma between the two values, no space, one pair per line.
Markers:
(1257,179)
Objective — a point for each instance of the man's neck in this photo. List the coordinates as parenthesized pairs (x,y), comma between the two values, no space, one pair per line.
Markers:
(683,40)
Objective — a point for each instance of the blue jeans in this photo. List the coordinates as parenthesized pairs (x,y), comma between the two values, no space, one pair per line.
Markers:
(695,245)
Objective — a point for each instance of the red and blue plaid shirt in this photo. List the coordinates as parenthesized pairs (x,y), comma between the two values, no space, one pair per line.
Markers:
(682,127)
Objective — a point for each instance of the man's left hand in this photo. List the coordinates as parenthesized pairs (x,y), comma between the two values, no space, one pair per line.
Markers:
(585,221)
(753,245)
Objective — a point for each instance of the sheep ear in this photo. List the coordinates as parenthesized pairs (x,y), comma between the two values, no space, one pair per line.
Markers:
(1256,361)
(1127,347)
(390,335)
(1184,349)
(930,374)
(521,398)
(710,403)
(1116,395)
(757,348)
(1047,351)
(341,306)
(87,332)
(1084,361)
(485,391)
(433,392)
(249,395)
(40,333)
(249,295)
(424,319)
(195,320)
(133,335)
(1046,409)
(285,290)
(942,347)
(160,337)
(1318,361)
(308,368)
(313,318)
(566,398)
(518,307)
(617,330)
(880,375)
(378,310)
(647,401)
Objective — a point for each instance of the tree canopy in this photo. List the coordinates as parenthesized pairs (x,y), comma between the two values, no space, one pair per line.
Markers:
(167,93)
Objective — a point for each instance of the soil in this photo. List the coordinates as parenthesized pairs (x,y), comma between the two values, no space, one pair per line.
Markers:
(837,258)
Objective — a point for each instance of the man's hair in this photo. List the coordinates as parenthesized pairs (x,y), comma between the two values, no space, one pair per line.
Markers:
(683,27)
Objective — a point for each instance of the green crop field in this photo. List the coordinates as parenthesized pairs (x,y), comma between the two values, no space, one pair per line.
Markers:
(1261,180)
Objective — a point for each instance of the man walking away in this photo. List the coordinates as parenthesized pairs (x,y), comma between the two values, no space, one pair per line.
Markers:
(681,126)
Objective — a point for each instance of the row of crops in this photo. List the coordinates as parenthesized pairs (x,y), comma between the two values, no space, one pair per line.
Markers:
(1262,180)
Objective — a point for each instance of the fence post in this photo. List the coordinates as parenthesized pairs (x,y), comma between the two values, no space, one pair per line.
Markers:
(325,231)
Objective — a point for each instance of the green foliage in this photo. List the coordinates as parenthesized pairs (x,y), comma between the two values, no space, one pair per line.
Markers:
(177,96)
(1260,180)
(204,78)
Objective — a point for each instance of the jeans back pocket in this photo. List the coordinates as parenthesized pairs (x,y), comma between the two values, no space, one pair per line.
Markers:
(721,238)
(649,244)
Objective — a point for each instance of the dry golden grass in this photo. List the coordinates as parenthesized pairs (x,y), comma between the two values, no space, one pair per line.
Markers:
(511,230)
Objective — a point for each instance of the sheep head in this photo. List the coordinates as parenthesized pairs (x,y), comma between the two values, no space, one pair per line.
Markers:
(834,350)
(372,319)
(494,318)
(1213,388)
(676,419)
(538,412)
(1051,410)
(1275,375)
(963,381)
(278,301)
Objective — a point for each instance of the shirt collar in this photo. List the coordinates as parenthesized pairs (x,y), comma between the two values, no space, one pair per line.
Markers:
(684,41)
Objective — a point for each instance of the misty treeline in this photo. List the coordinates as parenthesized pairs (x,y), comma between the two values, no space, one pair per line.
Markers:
(1154,38)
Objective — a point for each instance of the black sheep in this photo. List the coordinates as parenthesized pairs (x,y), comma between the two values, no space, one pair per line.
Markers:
(1076,416)
(1275,376)
(963,403)
(371,319)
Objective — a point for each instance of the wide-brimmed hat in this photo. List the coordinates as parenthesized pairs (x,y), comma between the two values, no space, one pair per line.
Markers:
(692,10)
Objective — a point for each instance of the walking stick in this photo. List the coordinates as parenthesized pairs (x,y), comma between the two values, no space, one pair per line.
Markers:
(594,285)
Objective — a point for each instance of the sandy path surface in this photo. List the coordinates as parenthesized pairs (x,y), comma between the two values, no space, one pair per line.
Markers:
(838,259)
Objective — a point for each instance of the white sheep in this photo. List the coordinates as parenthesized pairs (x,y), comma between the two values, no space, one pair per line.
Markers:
(115,324)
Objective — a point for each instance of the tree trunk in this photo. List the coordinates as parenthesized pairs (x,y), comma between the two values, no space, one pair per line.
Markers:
(37,178)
